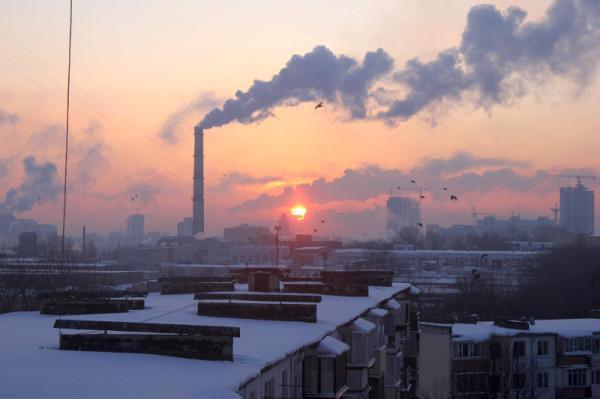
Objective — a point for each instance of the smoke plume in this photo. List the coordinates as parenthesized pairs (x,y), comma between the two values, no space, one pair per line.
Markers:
(39,185)
(499,52)
(8,118)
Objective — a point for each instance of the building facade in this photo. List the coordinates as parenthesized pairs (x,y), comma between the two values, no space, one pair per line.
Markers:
(577,209)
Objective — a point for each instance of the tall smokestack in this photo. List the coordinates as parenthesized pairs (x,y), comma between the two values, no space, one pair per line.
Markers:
(198,198)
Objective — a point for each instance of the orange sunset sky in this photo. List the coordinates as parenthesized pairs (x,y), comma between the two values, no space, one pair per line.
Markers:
(137,65)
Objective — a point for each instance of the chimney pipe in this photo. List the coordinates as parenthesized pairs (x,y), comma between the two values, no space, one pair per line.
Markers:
(198,197)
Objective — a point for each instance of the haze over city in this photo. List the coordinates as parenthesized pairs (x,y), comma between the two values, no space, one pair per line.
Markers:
(408,94)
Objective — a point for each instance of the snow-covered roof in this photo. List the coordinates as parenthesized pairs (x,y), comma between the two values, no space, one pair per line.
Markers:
(34,367)
(393,304)
(332,346)
(566,328)
(362,325)
(378,312)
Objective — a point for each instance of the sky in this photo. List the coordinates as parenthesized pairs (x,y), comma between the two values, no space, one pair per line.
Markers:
(485,100)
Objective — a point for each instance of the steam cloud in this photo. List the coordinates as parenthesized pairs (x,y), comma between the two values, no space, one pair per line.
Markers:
(8,118)
(498,53)
(39,185)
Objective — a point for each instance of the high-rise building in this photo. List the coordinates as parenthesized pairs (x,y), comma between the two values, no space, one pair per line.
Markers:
(577,209)
(28,244)
(185,228)
(135,228)
(402,212)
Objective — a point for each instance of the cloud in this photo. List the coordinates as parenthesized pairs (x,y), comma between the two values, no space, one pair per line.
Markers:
(371,181)
(8,118)
(144,192)
(233,179)
(39,185)
(91,164)
(169,129)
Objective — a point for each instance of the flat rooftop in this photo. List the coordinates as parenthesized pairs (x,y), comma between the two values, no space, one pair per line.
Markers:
(33,366)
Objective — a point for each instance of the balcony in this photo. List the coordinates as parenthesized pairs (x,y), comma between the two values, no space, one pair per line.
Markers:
(467,365)
(574,393)
(572,360)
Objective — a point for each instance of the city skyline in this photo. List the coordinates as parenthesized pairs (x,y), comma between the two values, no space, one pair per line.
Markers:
(488,155)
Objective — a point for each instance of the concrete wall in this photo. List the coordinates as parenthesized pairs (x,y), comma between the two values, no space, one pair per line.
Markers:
(434,363)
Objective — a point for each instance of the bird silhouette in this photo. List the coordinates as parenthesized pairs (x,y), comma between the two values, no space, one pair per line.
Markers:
(420,224)
(453,198)
(413,181)
(445,188)
(315,230)
(319,105)
(422,196)
(322,221)
(397,187)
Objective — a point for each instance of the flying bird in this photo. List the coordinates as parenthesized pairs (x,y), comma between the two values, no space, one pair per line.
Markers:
(453,198)
(422,196)
(445,188)
(420,224)
(413,181)
(397,187)
(315,230)
(319,105)
(322,221)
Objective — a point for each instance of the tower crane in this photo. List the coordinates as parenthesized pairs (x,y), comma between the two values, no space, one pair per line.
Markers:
(578,177)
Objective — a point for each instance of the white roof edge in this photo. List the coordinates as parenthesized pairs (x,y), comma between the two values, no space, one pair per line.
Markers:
(332,346)
(363,325)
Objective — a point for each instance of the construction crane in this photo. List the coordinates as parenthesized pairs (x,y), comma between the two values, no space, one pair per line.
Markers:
(578,177)
(474,213)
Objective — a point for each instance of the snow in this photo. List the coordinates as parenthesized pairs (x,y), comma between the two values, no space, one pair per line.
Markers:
(363,325)
(378,312)
(565,328)
(393,304)
(32,366)
(332,346)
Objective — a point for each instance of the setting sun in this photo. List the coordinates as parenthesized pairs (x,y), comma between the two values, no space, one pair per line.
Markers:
(298,212)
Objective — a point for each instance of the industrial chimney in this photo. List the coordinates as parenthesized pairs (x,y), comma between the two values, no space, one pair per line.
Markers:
(198,197)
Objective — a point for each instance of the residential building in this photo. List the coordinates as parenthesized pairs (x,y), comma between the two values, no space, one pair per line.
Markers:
(135,228)
(402,212)
(510,359)
(577,209)
(343,352)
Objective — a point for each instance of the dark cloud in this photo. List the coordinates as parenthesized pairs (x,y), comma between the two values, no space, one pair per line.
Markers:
(459,162)
(233,179)
(169,129)
(372,181)
(8,118)
(39,185)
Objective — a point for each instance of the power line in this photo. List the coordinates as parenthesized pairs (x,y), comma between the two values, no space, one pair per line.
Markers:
(84,92)
(64,215)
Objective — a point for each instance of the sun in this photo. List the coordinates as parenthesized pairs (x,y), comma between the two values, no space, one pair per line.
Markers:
(299,211)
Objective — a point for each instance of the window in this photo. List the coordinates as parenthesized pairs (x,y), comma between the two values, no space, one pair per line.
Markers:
(596,376)
(470,349)
(596,345)
(542,380)
(576,377)
(579,344)
(542,348)
(519,349)
(269,391)
(519,381)
(285,384)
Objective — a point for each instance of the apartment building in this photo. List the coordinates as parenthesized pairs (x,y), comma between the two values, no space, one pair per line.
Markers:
(288,345)
(548,359)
